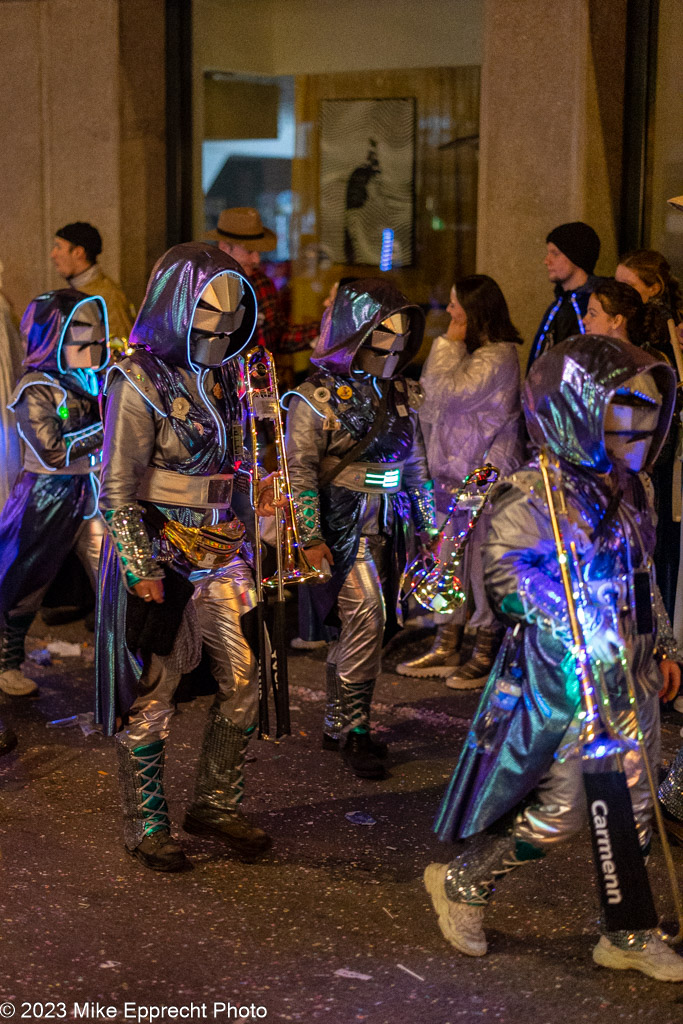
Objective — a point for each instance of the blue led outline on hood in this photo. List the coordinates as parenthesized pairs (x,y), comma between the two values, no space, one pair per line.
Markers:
(87,377)
(196,367)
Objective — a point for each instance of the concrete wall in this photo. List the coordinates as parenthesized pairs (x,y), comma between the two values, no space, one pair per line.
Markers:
(665,223)
(551,116)
(80,101)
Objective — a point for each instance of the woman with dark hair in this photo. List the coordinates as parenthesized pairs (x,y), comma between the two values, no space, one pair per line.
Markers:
(616,310)
(619,310)
(471,415)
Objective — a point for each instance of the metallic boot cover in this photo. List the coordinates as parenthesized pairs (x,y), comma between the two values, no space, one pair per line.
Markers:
(359,649)
(220,776)
(141,781)
(334,720)
(632,941)
(356,701)
(671,790)
(473,873)
(444,650)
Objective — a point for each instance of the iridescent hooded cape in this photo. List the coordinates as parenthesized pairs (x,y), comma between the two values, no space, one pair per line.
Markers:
(565,400)
(44,511)
(359,308)
(162,347)
(175,287)
(567,392)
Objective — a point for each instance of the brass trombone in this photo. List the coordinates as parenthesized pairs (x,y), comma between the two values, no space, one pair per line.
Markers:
(263,403)
(432,579)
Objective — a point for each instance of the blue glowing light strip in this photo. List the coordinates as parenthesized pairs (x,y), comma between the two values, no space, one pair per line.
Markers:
(386,259)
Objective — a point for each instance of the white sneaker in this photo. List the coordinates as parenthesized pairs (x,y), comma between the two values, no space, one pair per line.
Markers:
(460,923)
(15,684)
(657,959)
(678,704)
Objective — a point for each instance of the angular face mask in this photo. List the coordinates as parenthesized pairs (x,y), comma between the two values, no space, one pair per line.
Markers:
(380,353)
(631,420)
(84,342)
(219,314)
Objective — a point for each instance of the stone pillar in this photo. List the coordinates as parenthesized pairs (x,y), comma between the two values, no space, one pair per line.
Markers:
(551,129)
(82,109)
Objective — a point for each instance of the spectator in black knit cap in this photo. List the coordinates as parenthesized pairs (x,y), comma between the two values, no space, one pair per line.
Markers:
(572,252)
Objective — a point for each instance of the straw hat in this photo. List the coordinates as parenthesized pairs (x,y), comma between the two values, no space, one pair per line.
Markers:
(241,225)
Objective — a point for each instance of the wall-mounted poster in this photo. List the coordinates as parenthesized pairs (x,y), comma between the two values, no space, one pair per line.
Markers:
(367,178)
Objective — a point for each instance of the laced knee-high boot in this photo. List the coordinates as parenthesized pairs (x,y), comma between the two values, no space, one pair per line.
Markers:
(220,787)
(146,826)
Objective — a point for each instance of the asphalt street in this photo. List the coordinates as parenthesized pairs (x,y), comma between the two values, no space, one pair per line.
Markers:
(332,925)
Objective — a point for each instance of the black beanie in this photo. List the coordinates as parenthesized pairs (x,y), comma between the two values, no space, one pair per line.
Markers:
(82,233)
(578,242)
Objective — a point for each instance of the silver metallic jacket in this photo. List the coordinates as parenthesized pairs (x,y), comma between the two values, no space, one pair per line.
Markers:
(313,437)
(138,435)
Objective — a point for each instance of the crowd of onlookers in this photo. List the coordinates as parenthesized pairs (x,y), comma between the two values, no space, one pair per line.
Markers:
(473,413)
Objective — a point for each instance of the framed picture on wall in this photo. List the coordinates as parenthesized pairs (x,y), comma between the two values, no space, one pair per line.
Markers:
(367,181)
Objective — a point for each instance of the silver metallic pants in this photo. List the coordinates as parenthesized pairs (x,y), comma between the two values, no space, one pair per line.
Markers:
(559,808)
(357,653)
(219,601)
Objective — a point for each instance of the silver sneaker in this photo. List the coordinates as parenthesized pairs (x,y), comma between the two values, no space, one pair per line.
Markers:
(461,924)
(656,959)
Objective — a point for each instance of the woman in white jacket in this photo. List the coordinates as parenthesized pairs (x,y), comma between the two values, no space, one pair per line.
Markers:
(471,415)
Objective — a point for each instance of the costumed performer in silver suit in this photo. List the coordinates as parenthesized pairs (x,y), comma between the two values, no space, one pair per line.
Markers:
(602,407)
(52,507)
(176,569)
(358,472)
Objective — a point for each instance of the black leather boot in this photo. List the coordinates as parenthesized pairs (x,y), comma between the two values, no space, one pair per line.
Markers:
(361,758)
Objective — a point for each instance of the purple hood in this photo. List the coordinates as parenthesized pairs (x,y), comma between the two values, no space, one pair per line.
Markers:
(359,308)
(175,287)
